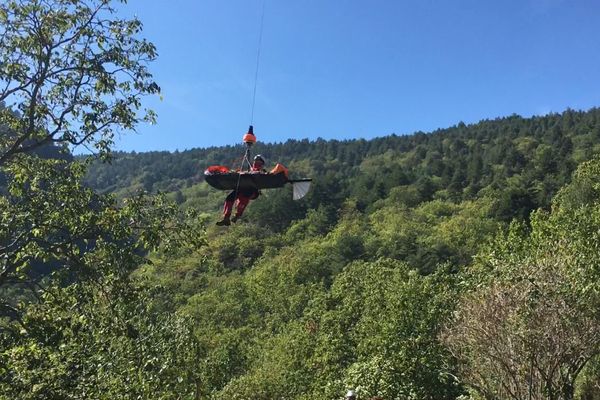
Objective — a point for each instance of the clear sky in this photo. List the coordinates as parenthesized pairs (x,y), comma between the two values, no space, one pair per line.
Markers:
(343,69)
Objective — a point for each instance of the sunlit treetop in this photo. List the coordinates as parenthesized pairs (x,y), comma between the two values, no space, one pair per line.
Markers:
(72,73)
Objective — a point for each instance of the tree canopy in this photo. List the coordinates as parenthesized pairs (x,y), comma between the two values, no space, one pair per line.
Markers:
(71,73)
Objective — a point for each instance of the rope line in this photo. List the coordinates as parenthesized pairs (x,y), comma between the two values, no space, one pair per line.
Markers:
(245,158)
(262,19)
(247,153)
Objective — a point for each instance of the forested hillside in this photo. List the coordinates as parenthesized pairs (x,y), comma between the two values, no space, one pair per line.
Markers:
(417,267)
(525,159)
(422,267)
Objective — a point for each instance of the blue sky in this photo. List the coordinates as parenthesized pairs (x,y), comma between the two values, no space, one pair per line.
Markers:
(348,69)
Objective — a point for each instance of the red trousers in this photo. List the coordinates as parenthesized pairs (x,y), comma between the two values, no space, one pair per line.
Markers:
(242,201)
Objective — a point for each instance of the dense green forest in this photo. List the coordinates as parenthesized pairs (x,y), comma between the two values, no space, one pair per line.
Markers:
(457,264)
(357,285)
(524,160)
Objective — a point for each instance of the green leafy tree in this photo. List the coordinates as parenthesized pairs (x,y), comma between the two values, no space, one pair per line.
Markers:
(530,324)
(99,341)
(393,315)
(70,72)
(72,323)
(80,331)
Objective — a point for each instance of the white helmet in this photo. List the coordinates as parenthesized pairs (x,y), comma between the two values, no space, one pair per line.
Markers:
(351,395)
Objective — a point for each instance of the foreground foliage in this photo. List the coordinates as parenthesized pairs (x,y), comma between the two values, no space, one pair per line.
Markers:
(72,323)
(530,324)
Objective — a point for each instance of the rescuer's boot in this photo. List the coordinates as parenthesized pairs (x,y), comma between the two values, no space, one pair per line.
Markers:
(225,221)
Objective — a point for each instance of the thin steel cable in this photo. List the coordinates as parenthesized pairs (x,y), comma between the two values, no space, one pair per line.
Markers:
(260,35)
(247,153)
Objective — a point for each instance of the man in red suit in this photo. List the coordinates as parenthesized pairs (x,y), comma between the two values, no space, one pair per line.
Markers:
(242,196)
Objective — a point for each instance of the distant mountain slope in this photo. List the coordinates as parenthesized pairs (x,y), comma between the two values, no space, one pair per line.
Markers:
(526,159)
